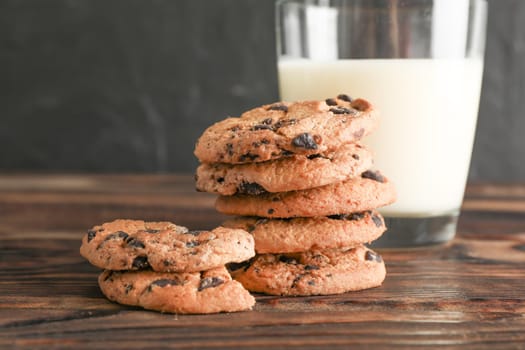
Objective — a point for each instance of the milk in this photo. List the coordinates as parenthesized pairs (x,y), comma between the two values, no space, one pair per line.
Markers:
(428,119)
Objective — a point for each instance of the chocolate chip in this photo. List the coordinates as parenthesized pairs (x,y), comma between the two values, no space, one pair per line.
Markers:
(311,283)
(283,123)
(165,282)
(194,232)
(122,234)
(220,180)
(296,280)
(286,153)
(229,149)
(91,234)
(118,234)
(314,156)
(287,259)
(261,127)
(271,211)
(166,263)
(311,267)
(349,217)
(237,266)
(140,262)
(150,230)
(373,256)
(256,144)
(331,102)
(276,199)
(341,110)
(373,175)
(344,97)
(192,244)
(249,156)
(128,288)
(133,242)
(278,107)
(251,188)
(377,220)
(355,156)
(210,282)
(267,121)
(304,140)
(265,141)
(338,216)
(235,128)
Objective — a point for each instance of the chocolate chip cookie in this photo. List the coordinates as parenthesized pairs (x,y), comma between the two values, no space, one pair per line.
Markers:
(205,292)
(369,191)
(163,246)
(283,129)
(303,234)
(316,272)
(297,172)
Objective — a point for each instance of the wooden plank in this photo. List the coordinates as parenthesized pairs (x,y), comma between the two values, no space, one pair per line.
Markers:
(468,293)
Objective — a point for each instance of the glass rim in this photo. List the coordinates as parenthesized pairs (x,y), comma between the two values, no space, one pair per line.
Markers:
(329,3)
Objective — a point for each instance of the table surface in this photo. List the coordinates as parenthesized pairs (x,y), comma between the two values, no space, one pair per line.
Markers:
(468,293)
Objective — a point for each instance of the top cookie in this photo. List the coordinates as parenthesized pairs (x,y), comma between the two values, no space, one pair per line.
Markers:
(282,129)
(163,246)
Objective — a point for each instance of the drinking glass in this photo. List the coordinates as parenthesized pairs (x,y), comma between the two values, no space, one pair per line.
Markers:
(420,62)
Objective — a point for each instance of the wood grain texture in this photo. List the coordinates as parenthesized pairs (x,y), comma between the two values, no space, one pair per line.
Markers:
(469,293)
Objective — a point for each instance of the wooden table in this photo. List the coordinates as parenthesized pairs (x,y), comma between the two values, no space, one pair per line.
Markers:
(469,293)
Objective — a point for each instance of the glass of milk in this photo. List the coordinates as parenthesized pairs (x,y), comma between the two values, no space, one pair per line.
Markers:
(420,62)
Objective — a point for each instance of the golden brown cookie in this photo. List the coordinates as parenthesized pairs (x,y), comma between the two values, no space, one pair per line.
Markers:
(163,246)
(316,233)
(283,129)
(205,292)
(317,272)
(369,191)
(297,172)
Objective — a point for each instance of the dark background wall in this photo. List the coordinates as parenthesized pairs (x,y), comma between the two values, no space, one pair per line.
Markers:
(128,85)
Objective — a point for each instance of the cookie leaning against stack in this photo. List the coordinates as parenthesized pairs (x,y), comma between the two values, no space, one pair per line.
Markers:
(164,267)
(301,183)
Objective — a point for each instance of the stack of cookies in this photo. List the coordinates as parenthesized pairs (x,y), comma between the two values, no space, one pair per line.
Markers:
(164,267)
(299,181)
